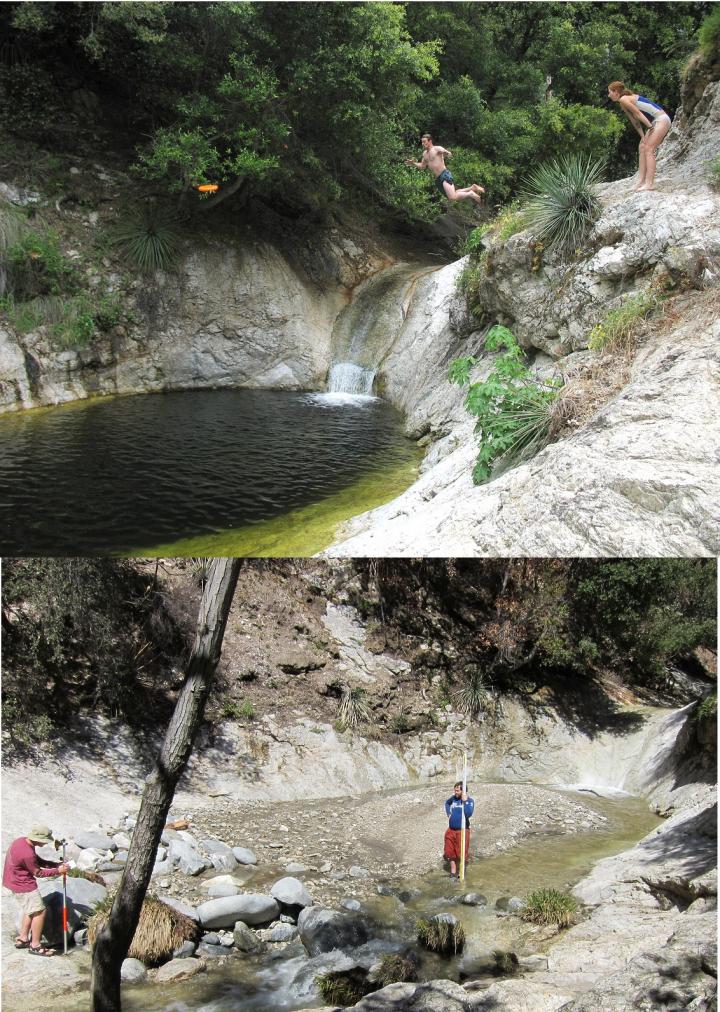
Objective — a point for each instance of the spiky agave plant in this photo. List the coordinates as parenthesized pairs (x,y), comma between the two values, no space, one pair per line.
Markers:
(561,201)
(472,696)
(354,709)
(149,238)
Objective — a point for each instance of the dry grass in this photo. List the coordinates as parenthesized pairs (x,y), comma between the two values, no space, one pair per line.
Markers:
(161,929)
(441,935)
(604,375)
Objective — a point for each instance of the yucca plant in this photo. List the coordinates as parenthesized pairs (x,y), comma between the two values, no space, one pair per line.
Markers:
(550,906)
(149,239)
(353,708)
(471,697)
(561,202)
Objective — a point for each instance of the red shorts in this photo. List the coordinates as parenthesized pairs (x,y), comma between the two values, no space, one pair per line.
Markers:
(452,844)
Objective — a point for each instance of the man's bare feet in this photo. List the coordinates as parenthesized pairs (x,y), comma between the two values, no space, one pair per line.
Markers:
(645,188)
(476,188)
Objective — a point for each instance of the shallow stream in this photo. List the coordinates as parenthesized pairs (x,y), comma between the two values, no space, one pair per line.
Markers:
(284,979)
(245,472)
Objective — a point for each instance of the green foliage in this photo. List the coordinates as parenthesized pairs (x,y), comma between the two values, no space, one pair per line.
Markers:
(562,205)
(71,322)
(354,709)
(615,332)
(709,33)
(232,710)
(473,241)
(707,710)
(149,239)
(509,222)
(512,409)
(38,267)
(549,906)
(400,724)
(643,614)
(314,104)
(13,226)
(442,935)
(76,633)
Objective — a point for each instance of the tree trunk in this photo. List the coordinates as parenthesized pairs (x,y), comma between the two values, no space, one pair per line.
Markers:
(114,940)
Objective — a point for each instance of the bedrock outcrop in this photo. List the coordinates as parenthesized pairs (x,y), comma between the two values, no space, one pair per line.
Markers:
(246,313)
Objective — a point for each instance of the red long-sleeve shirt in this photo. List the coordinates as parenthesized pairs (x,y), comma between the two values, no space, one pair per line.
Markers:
(23,866)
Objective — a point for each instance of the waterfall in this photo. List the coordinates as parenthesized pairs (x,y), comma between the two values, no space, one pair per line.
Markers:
(366,329)
(347,378)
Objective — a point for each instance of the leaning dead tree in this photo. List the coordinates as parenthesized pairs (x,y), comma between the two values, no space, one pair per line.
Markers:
(114,940)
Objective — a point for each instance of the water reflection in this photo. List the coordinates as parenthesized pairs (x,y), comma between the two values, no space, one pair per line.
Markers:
(114,474)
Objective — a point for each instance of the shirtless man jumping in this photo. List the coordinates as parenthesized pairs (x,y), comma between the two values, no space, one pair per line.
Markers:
(433,159)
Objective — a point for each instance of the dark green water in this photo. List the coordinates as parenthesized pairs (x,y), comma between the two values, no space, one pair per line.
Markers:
(123,475)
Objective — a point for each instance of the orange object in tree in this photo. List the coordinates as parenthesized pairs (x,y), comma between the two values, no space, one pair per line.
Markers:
(207,188)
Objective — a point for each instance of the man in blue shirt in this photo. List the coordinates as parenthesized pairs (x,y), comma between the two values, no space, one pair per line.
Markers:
(454,807)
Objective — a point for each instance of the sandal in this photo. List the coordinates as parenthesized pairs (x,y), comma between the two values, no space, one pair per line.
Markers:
(40,951)
(22,943)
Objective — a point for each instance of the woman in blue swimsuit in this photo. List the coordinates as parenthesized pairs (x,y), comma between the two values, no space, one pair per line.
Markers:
(651,122)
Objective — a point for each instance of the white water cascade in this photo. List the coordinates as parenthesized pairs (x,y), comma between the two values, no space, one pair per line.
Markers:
(367,328)
(348,378)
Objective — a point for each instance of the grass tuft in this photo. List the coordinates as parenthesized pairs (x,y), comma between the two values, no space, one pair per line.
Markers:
(616,332)
(441,934)
(550,906)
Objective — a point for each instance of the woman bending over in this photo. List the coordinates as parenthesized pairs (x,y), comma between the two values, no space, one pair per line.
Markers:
(651,122)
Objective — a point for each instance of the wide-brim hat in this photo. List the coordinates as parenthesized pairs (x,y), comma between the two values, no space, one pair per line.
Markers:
(40,834)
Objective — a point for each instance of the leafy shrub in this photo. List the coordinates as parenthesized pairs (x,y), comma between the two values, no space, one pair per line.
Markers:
(709,33)
(354,709)
(708,708)
(37,267)
(549,906)
(161,929)
(238,711)
(441,934)
(561,204)
(149,239)
(616,331)
(512,409)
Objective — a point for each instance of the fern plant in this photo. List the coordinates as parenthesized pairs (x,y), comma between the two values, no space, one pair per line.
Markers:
(511,407)
(149,239)
(561,202)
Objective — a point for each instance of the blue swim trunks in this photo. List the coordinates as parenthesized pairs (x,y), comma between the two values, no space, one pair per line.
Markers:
(442,178)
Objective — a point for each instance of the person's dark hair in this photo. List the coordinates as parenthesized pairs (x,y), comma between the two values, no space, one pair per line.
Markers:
(458,784)
(429,137)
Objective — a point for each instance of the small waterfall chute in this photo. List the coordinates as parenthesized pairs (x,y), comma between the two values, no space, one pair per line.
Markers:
(350,378)
(366,329)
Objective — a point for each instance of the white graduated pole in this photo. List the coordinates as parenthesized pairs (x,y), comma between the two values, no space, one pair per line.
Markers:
(462,819)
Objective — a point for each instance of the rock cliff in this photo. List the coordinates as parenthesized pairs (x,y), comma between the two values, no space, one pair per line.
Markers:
(640,476)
